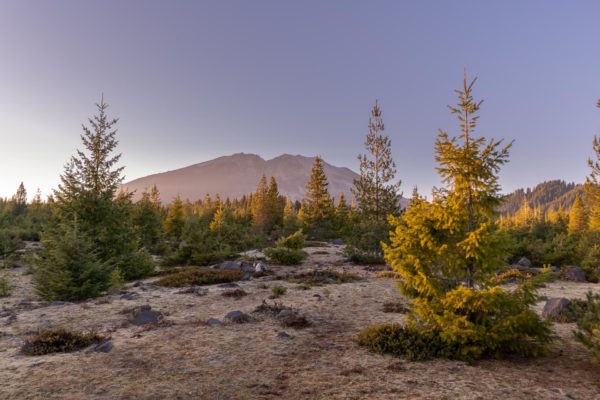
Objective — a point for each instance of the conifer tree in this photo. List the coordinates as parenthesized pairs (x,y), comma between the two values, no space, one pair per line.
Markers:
(577,217)
(148,223)
(260,207)
(592,187)
(317,202)
(19,200)
(376,195)
(87,202)
(175,221)
(447,251)
(290,217)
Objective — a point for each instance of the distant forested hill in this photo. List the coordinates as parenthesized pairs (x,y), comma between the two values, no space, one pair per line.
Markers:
(547,196)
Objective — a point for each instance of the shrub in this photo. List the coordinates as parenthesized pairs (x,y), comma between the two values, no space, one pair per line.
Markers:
(138,265)
(278,290)
(235,293)
(588,326)
(397,340)
(5,289)
(192,276)
(59,340)
(295,241)
(468,324)
(284,256)
(322,277)
(361,257)
(270,309)
(117,280)
(70,269)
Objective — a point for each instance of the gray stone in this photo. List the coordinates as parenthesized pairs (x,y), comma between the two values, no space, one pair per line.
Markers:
(555,306)
(213,322)
(237,317)
(285,313)
(573,273)
(104,347)
(146,316)
(337,242)
(229,285)
(232,265)
(284,335)
(260,267)
(195,290)
(129,296)
(524,262)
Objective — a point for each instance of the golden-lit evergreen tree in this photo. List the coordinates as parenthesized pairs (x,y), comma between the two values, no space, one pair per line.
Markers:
(318,204)
(447,251)
(577,217)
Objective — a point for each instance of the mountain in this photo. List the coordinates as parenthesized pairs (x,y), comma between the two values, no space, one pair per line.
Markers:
(549,195)
(237,175)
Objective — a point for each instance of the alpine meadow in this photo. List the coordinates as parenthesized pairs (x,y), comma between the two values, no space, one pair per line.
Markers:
(391,261)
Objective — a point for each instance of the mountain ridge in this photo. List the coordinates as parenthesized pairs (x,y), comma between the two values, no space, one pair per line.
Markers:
(233,176)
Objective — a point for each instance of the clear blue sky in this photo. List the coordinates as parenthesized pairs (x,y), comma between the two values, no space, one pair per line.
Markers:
(193,80)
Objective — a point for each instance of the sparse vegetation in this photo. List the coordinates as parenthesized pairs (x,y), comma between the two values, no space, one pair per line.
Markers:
(59,340)
(192,276)
(285,256)
(5,289)
(317,277)
(588,325)
(278,290)
(235,293)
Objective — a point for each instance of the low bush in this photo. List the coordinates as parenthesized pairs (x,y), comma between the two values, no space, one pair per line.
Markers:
(295,241)
(284,256)
(278,290)
(467,324)
(398,340)
(588,326)
(192,276)
(362,257)
(294,320)
(235,293)
(59,340)
(270,309)
(322,277)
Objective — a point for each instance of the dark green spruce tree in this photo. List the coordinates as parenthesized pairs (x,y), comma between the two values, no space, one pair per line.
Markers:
(89,207)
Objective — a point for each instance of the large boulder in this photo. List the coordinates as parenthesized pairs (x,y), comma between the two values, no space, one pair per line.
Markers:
(234,266)
(555,307)
(146,316)
(573,273)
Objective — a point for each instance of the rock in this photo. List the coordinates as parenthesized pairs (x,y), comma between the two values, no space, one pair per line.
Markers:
(130,296)
(246,277)
(237,317)
(145,316)
(337,242)
(228,285)
(117,292)
(6,313)
(104,347)
(138,284)
(284,313)
(232,265)
(554,307)
(524,262)
(213,322)
(260,267)
(573,273)
(284,335)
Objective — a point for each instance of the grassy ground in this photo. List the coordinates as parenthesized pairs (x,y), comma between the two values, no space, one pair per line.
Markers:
(186,359)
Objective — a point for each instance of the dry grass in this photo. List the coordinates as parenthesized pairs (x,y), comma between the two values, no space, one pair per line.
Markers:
(189,360)
(192,276)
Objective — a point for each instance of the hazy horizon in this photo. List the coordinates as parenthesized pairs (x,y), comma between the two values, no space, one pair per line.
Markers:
(194,81)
